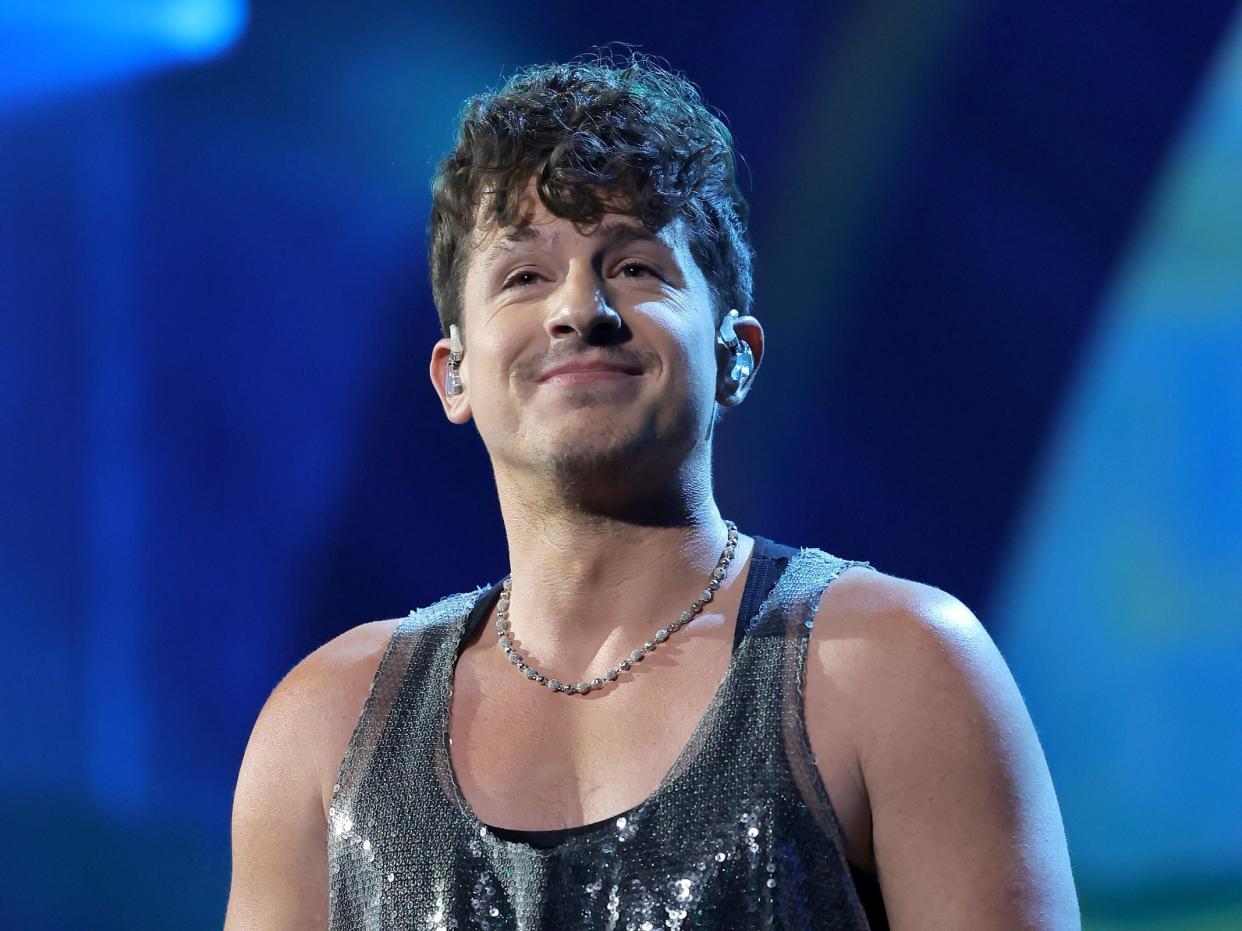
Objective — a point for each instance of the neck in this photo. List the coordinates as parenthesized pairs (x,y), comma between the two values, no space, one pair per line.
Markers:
(592,583)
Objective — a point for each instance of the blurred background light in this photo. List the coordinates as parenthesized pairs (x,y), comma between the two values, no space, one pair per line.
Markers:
(1122,608)
(48,47)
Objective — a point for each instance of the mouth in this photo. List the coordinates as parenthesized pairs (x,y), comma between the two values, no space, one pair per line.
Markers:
(587,377)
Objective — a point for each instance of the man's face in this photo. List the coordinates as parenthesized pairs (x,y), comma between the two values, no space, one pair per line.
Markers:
(546,296)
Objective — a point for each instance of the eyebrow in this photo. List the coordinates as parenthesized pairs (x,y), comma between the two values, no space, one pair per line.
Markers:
(613,234)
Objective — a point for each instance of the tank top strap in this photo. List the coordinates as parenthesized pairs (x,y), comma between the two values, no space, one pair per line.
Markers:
(801,586)
(758,717)
(768,560)
(408,683)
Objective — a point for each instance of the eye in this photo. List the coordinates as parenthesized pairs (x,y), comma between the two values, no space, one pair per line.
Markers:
(515,280)
(647,269)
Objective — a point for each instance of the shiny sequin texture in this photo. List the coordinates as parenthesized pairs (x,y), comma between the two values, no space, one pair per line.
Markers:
(740,834)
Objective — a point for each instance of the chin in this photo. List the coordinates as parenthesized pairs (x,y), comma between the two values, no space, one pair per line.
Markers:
(579,453)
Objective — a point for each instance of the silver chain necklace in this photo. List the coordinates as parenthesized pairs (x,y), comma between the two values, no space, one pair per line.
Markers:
(502,629)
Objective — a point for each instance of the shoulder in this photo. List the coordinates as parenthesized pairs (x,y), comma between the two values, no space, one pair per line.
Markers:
(907,658)
(336,678)
(312,711)
(279,818)
(891,621)
(955,777)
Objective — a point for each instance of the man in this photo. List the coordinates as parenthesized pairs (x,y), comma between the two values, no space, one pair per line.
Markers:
(654,720)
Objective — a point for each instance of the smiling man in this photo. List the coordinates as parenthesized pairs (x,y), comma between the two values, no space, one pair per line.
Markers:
(653,720)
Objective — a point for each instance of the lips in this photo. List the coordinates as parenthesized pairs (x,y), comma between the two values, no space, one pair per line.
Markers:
(586,368)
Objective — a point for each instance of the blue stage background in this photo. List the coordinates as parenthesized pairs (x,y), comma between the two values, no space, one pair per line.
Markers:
(1000,272)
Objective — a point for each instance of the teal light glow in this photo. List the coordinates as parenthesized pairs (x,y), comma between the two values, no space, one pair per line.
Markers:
(1122,606)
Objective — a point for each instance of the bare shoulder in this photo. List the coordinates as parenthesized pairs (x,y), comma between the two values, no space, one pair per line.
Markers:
(328,689)
(966,830)
(886,619)
(899,643)
(280,868)
(868,624)
(312,711)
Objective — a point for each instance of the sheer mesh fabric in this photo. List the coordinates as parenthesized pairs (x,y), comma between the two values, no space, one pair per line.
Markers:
(739,834)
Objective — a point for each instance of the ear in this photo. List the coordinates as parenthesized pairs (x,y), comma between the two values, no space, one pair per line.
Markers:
(749,331)
(456,409)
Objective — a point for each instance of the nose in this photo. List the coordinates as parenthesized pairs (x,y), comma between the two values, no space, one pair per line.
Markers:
(581,306)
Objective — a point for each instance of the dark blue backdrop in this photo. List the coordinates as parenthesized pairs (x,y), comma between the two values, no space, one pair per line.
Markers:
(220,445)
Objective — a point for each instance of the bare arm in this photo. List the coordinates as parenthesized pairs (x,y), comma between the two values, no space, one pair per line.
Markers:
(967,832)
(280,853)
(280,833)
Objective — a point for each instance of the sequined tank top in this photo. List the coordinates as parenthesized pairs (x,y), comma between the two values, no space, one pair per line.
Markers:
(739,834)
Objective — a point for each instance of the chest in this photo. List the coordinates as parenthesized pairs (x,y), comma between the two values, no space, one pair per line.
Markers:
(529,759)
(529,764)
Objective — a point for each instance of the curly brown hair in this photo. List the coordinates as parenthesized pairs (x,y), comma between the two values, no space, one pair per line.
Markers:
(596,135)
